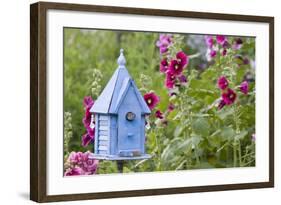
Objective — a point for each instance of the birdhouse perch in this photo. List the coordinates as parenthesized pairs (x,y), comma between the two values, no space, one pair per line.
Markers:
(120,118)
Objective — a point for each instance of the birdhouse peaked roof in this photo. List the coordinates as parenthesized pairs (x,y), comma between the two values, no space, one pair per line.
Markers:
(116,89)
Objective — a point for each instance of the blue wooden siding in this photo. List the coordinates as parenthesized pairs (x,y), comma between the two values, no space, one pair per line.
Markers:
(113,134)
(103,134)
(96,133)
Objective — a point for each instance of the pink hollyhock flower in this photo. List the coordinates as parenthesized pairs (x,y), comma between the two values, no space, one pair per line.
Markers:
(244,87)
(151,100)
(209,41)
(170,80)
(165,40)
(171,107)
(76,171)
(75,157)
(229,96)
(221,104)
(83,162)
(222,82)
(182,58)
(164,65)
(175,67)
(89,165)
(159,114)
(220,39)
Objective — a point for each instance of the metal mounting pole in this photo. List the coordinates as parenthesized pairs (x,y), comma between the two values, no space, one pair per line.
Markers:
(120,165)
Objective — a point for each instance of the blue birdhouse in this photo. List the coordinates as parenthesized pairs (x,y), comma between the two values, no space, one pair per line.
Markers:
(120,112)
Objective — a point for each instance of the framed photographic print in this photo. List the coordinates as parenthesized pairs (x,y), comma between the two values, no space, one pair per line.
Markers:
(134,102)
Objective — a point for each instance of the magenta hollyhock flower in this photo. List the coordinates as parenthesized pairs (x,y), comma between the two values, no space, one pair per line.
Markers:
(238,42)
(182,58)
(88,101)
(239,59)
(171,107)
(229,96)
(213,53)
(75,171)
(224,52)
(222,82)
(244,87)
(164,65)
(87,118)
(151,100)
(209,41)
(87,139)
(175,67)
(220,39)
(170,80)
(159,114)
(165,40)
(221,104)
(246,61)
(225,45)
(182,79)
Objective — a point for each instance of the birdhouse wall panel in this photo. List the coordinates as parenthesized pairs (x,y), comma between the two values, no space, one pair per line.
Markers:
(104,127)
(103,132)
(129,134)
(103,142)
(102,152)
(113,131)
(103,123)
(103,147)
(104,117)
(103,137)
(96,134)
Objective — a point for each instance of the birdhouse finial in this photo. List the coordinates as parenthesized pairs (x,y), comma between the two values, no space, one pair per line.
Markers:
(121,59)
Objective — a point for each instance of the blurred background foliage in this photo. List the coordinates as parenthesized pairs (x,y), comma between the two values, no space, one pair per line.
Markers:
(196,137)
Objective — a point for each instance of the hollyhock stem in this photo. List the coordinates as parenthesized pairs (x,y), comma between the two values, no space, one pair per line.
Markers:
(196,55)
(234,155)
(239,153)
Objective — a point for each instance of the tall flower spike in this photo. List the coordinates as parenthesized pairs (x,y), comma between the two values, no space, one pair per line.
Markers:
(121,59)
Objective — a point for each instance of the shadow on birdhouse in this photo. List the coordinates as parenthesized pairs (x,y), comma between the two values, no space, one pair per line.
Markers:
(120,112)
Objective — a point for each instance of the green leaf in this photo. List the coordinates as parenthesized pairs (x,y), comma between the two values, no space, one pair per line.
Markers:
(179,129)
(201,126)
(224,113)
(241,135)
(227,133)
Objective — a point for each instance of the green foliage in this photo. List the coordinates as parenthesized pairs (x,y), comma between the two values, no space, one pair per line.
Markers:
(196,134)
(67,130)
